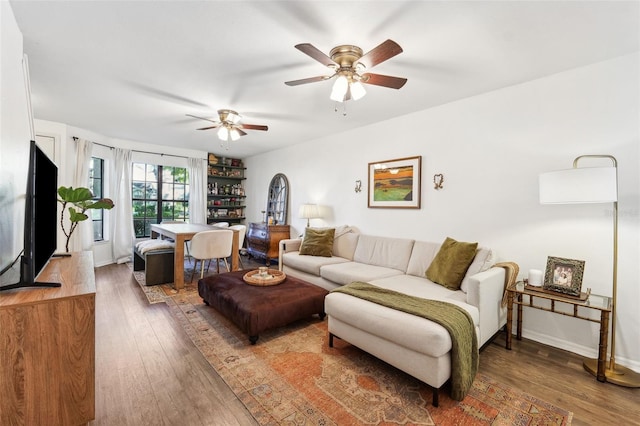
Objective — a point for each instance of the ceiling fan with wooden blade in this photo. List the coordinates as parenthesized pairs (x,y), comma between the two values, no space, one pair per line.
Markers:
(348,64)
(229,125)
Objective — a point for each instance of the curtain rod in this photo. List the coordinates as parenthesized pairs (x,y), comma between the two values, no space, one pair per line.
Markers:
(75,138)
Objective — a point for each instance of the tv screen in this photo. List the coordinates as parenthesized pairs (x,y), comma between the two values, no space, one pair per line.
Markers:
(45,211)
(40,219)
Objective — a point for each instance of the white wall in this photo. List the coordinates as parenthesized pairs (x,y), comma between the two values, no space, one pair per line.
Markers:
(491,149)
(14,143)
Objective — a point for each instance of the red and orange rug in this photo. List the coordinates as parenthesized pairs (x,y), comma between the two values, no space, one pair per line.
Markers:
(291,376)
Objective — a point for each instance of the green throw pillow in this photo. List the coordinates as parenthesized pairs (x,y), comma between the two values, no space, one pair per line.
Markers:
(450,265)
(318,242)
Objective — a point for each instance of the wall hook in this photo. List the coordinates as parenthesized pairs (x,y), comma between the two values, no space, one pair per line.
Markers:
(438,180)
(358,186)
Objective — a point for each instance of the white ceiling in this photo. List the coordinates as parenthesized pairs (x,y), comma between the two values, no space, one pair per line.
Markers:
(134,69)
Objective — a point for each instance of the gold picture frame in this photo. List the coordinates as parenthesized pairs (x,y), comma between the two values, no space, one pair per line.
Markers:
(564,275)
(395,183)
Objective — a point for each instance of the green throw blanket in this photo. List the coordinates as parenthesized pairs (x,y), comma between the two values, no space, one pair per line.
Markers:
(457,321)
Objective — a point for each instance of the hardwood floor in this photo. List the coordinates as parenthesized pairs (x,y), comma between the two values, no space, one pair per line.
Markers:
(148,372)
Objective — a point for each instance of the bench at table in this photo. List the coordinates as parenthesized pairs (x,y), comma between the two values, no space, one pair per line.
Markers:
(156,261)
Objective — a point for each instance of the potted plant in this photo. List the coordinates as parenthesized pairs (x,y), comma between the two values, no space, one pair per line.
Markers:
(79,200)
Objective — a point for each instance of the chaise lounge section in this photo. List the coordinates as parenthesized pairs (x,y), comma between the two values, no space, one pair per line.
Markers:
(418,346)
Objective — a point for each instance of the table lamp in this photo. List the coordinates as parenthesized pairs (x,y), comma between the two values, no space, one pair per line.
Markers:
(309,211)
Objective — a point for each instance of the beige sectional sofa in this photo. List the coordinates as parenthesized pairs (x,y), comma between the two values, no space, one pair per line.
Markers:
(413,344)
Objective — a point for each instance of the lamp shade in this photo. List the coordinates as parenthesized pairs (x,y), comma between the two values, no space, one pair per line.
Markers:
(579,185)
(309,211)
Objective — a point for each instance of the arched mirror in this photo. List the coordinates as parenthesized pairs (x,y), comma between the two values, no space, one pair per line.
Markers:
(278,201)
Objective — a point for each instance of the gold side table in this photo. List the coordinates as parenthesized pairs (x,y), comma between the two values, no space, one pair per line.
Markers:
(516,296)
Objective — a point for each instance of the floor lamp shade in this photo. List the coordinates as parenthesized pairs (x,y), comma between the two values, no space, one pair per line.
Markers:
(579,185)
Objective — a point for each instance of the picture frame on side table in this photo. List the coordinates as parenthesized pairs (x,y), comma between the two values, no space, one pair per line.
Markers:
(395,183)
(564,275)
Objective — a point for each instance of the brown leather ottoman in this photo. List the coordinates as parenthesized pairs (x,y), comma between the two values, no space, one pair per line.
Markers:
(255,309)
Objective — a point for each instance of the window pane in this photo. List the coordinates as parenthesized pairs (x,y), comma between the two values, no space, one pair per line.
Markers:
(96,180)
(151,191)
(97,230)
(167,174)
(138,190)
(178,191)
(167,210)
(167,191)
(180,175)
(138,209)
(147,226)
(152,173)
(138,172)
(138,226)
(151,209)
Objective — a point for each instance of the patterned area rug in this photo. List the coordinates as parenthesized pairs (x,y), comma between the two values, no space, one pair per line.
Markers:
(291,376)
(160,293)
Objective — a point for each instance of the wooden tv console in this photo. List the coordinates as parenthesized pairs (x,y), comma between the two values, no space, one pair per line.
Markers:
(47,347)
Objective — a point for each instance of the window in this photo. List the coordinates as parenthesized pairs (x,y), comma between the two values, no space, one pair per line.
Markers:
(159,193)
(96,185)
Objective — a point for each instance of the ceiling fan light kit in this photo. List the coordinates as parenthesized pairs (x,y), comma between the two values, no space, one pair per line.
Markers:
(348,64)
(229,126)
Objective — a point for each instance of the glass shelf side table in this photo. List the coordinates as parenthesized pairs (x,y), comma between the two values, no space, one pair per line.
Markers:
(516,296)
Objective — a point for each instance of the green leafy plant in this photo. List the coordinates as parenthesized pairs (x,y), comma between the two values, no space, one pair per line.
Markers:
(79,200)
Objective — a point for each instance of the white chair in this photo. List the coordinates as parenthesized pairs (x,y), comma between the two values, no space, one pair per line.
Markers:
(220,225)
(242,231)
(208,245)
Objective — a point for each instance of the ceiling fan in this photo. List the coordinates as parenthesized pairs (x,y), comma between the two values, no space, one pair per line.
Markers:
(229,126)
(349,64)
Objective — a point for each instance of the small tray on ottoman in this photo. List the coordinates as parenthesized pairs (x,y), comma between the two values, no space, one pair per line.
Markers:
(274,277)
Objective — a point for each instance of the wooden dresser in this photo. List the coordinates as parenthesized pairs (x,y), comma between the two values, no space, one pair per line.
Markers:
(263,240)
(47,347)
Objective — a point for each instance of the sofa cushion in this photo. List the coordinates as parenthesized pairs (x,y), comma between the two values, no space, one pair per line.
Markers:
(309,264)
(344,243)
(318,242)
(383,251)
(345,273)
(421,256)
(410,331)
(483,261)
(451,263)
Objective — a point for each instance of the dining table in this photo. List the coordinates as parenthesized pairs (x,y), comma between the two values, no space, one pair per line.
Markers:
(183,232)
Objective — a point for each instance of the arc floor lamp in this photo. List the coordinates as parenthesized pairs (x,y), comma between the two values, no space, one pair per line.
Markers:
(593,185)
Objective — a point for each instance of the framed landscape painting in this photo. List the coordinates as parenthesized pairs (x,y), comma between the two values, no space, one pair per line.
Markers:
(395,183)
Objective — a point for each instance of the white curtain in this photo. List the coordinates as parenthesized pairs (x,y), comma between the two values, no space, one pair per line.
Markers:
(82,238)
(121,220)
(197,190)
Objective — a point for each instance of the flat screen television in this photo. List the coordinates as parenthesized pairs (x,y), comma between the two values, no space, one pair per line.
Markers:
(40,219)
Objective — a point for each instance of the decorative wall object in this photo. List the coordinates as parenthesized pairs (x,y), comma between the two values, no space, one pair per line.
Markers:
(395,183)
(564,275)
(438,180)
(358,186)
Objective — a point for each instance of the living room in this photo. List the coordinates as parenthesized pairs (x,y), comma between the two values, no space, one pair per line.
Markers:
(490,148)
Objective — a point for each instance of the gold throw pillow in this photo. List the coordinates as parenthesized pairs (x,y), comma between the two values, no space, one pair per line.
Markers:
(450,265)
(318,242)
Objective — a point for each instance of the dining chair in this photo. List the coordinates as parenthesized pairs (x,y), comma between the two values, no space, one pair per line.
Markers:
(220,225)
(242,231)
(209,245)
